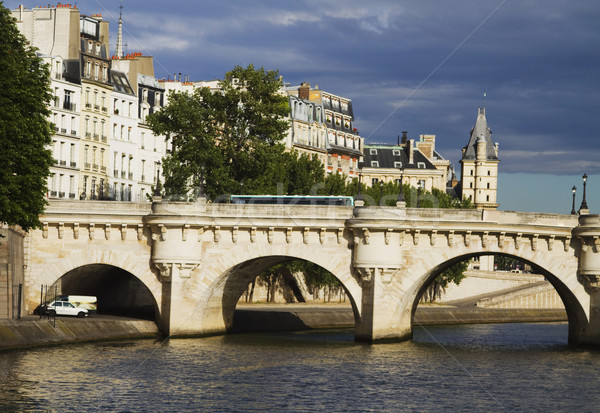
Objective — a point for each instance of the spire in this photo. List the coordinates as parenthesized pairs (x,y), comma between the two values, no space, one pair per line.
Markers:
(120,32)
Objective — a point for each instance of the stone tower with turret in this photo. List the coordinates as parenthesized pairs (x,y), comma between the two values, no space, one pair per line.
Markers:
(479,166)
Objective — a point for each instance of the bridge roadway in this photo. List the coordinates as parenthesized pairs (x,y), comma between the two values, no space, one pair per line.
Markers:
(190,262)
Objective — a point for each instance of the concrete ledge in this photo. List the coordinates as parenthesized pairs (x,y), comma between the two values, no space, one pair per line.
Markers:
(33,331)
(296,317)
(449,315)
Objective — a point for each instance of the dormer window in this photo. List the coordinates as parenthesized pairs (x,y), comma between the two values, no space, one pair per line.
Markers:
(397,164)
(372,151)
(375,164)
(396,152)
(421,165)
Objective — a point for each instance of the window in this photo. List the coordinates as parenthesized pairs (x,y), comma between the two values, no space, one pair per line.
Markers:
(487,198)
(489,173)
(397,164)
(471,172)
(396,152)
(374,181)
(372,151)
(421,165)
(375,164)
(470,184)
(421,184)
(488,185)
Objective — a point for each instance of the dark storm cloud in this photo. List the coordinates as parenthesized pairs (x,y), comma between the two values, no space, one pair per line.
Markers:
(537,61)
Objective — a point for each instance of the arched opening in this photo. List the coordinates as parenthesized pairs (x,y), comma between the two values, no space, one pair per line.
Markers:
(282,277)
(576,316)
(118,291)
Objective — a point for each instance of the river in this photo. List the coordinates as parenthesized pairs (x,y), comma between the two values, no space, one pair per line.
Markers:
(493,367)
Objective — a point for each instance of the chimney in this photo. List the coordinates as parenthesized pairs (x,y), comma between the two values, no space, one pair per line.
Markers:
(404,137)
(303,90)
(187,78)
(411,151)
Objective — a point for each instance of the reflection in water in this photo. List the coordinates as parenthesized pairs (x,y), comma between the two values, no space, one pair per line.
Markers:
(521,367)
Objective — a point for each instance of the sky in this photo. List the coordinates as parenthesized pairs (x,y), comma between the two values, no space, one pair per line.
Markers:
(414,65)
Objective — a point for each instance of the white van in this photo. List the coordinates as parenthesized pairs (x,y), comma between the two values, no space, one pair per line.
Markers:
(89,302)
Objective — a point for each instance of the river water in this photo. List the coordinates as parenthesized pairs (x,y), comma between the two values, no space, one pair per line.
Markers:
(496,367)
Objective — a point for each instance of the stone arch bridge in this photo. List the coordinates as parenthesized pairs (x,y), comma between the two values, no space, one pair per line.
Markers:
(196,259)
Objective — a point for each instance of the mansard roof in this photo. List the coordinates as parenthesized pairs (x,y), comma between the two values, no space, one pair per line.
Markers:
(480,129)
(387,156)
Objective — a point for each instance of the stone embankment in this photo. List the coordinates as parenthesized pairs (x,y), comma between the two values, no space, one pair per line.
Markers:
(270,317)
(33,331)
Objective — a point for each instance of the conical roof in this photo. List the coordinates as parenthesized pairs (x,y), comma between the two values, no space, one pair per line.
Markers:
(480,130)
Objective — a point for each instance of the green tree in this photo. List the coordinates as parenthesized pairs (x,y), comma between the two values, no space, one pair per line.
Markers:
(453,274)
(25,132)
(229,140)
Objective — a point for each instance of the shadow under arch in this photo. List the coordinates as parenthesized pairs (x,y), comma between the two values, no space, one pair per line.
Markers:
(576,316)
(232,284)
(118,291)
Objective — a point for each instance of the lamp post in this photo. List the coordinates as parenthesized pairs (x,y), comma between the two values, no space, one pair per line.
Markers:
(381,193)
(359,192)
(574,189)
(400,199)
(157,187)
(584,205)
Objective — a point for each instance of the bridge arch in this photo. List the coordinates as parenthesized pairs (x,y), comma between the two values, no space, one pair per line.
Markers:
(562,277)
(74,271)
(215,287)
(118,291)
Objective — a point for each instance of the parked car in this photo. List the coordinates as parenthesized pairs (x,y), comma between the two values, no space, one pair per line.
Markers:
(65,308)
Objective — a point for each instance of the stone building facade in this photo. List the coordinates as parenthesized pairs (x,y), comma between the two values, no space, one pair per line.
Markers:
(101,141)
(479,166)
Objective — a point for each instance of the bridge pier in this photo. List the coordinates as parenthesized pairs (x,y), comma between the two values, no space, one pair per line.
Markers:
(588,233)
(384,317)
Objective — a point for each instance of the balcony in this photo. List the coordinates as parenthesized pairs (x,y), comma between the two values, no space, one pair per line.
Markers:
(115,173)
(104,109)
(88,134)
(56,128)
(104,139)
(123,174)
(94,166)
(96,107)
(96,137)
(130,175)
(69,106)
(72,195)
(58,76)
(61,194)
(73,164)
(63,163)
(53,193)
(143,178)
(102,168)
(86,165)
(63,130)
(74,132)
(88,105)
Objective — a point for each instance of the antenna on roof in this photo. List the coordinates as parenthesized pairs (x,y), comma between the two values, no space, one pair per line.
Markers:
(120,33)
(484,95)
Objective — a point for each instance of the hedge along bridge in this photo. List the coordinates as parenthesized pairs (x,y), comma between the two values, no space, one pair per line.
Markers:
(190,262)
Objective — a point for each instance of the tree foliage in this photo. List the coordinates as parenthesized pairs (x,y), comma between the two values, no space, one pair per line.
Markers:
(25,131)
(231,140)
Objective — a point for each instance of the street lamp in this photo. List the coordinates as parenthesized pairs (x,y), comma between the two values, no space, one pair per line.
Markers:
(359,193)
(157,187)
(574,189)
(400,194)
(381,193)
(584,204)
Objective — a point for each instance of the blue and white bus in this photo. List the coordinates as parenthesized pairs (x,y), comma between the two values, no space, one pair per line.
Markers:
(292,200)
